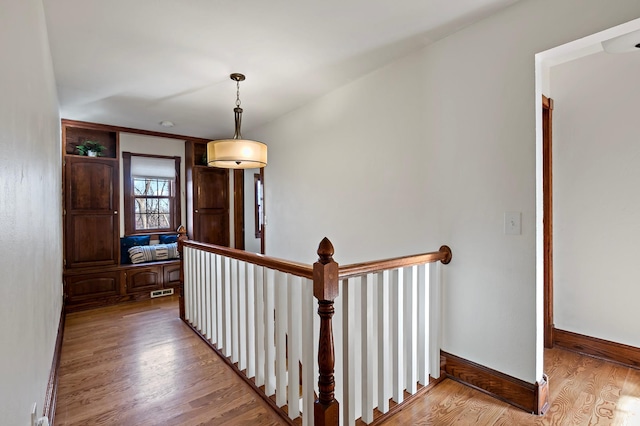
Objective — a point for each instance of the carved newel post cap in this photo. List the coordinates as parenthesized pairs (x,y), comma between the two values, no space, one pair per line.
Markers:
(325,251)
(325,273)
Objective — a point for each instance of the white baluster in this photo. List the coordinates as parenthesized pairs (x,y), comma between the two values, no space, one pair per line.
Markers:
(270,355)
(242,316)
(214,302)
(410,327)
(423,326)
(250,309)
(397,352)
(226,294)
(235,336)
(186,261)
(281,336)
(207,283)
(293,346)
(368,347)
(338,330)
(348,402)
(435,318)
(194,287)
(260,323)
(201,292)
(309,307)
(219,300)
(384,385)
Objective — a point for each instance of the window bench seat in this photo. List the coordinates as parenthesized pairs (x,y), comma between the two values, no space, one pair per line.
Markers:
(95,286)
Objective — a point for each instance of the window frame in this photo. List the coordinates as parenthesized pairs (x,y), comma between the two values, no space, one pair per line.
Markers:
(129,197)
(258,203)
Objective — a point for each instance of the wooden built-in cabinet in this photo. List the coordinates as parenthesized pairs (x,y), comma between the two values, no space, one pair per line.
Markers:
(94,287)
(93,275)
(90,211)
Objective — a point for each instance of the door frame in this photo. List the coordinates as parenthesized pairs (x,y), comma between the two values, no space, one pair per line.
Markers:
(547,196)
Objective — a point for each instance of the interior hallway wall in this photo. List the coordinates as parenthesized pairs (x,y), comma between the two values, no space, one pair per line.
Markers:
(30,210)
(434,149)
(596,197)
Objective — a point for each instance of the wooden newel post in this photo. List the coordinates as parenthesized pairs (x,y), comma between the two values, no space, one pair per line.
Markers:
(325,289)
(182,231)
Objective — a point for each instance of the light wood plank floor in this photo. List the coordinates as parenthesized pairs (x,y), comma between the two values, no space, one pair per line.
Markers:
(138,364)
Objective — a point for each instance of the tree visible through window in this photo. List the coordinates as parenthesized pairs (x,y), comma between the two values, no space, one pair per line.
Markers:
(152,197)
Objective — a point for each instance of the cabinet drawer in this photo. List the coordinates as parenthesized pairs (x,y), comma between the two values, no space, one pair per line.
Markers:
(171,275)
(141,279)
(92,285)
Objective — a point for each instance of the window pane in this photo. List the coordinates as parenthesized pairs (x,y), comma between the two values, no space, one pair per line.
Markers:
(140,222)
(163,205)
(152,205)
(138,186)
(164,188)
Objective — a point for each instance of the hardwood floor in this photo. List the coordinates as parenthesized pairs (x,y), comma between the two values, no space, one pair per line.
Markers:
(584,391)
(138,364)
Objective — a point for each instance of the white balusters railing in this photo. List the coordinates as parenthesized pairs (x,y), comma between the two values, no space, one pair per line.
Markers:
(381,336)
(260,318)
(384,322)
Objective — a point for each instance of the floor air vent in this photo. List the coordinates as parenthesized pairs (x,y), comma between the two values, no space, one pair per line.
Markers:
(160,293)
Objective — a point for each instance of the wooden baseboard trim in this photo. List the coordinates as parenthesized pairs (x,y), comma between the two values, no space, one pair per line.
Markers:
(533,398)
(250,382)
(49,408)
(628,356)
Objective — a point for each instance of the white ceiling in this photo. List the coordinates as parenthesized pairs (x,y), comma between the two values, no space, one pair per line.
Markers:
(134,63)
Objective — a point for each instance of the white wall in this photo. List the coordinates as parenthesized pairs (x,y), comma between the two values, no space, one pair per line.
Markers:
(143,144)
(30,211)
(596,196)
(432,150)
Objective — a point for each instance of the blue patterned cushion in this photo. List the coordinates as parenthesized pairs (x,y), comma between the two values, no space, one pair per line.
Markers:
(168,239)
(127,242)
(141,254)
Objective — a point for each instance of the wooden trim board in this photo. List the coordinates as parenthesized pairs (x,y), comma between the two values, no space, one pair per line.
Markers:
(599,348)
(533,398)
(49,408)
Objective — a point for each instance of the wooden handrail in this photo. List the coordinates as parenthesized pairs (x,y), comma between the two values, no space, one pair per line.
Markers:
(357,269)
(286,266)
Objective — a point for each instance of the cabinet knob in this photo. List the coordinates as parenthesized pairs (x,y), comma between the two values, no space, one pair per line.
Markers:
(196,211)
(115,212)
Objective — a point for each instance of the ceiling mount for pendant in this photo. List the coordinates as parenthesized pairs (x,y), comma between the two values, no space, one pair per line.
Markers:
(237,153)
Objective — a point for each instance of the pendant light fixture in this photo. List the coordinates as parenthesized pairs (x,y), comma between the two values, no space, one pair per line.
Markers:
(237,153)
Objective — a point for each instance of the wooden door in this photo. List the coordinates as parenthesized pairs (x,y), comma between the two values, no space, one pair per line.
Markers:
(91,216)
(211,205)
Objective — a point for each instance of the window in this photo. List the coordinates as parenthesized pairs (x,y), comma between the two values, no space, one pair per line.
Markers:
(151,193)
(152,202)
(258,203)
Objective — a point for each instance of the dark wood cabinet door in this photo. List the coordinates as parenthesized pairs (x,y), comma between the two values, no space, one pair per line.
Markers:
(171,275)
(212,226)
(211,205)
(212,188)
(80,288)
(91,217)
(144,278)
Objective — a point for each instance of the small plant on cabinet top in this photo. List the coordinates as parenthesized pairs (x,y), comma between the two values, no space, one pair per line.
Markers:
(91,148)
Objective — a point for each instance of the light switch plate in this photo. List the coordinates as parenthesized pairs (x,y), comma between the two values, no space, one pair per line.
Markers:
(512,223)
